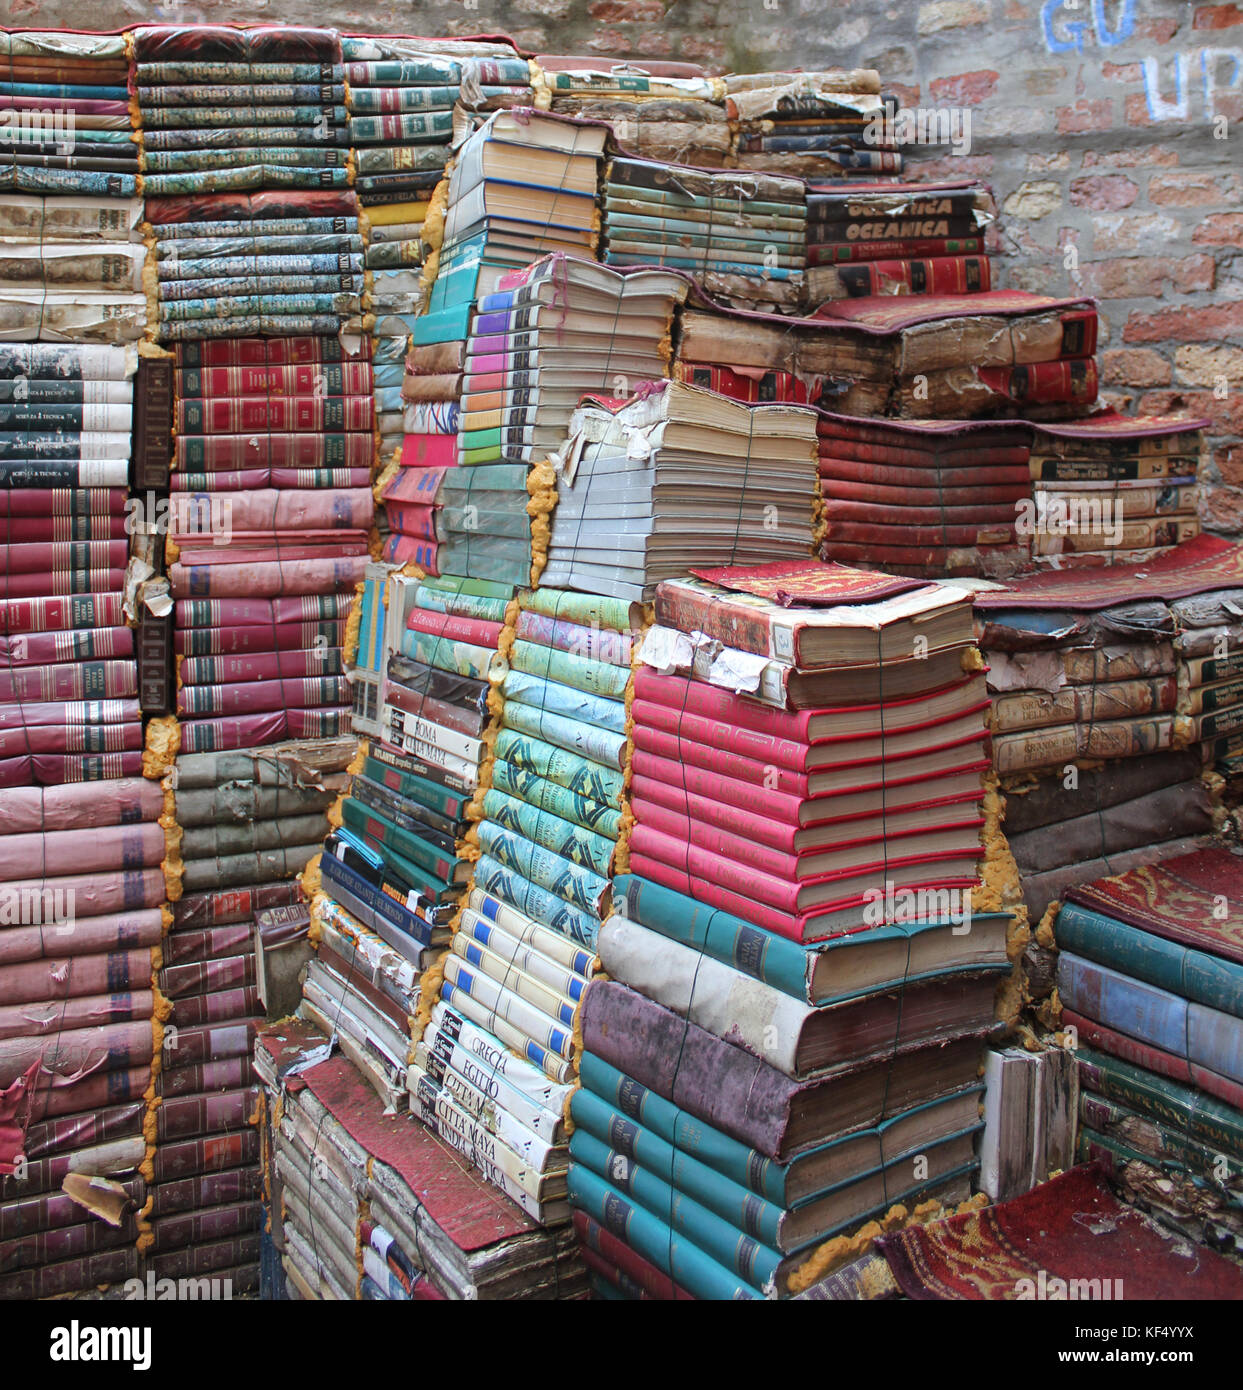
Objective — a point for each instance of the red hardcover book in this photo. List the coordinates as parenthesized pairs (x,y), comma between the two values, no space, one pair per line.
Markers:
(186,944)
(83,680)
(208,453)
(99,847)
(915,512)
(866,533)
(837,252)
(253,697)
(242,612)
(70,1132)
(933,562)
(83,644)
(207,976)
(926,275)
(207,1154)
(53,769)
(220,1006)
(54,530)
(61,613)
(242,550)
(742,385)
(183,1117)
(41,981)
(464,721)
(63,502)
(402,550)
(280,414)
(268,579)
(264,666)
(61,583)
(296,379)
(246,480)
(1153,1058)
(876,484)
(40,558)
(257,638)
(418,523)
(71,737)
(259,352)
(1046,383)
(455,628)
(429,451)
(251,730)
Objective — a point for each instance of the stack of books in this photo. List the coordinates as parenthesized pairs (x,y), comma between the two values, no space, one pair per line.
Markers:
(678,477)
(847,703)
(550,332)
(224,110)
(1150,973)
(1086,668)
(661,111)
(908,238)
(930,498)
(368,1205)
(78,1039)
(79,84)
(1114,488)
(745,244)
(921,357)
(268,533)
(817,125)
(524,948)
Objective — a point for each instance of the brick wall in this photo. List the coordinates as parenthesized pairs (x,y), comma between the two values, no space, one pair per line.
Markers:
(1109,130)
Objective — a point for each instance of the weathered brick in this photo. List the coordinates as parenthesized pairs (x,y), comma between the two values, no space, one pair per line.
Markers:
(1193,189)
(1103,192)
(950,14)
(906,96)
(1192,273)
(1085,114)
(1131,231)
(1202,364)
(1043,82)
(1126,277)
(964,89)
(1184,324)
(1138,157)
(1135,367)
(1158,30)
(700,48)
(1033,198)
(1229,461)
(1217,17)
(546,9)
(967,166)
(1221,229)
(1041,163)
(1122,72)
(657,43)
(1226,414)
(1005,122)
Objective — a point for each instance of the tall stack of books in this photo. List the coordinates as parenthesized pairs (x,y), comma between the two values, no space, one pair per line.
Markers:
(661,111)
(816,125)
(930,498)
(1150,973)
(645,491)
(743,243)
(367,1205)
(778,949)
(1112,488)
(79,85)
(902,239)
(524,948)
(269,536)
(78,1038)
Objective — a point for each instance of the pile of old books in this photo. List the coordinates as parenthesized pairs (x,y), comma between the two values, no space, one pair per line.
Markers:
(818,125)
(930,498)
(1150,974)
(794,1005)
(679,476)
(370,1205)
(903,239)
(744,241)
(81,894)
(275,438)
(67,95)
(1113,488)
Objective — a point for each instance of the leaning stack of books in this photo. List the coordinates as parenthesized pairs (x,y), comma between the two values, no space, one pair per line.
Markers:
(747,249)
(1113,488)
(81,896)
(931,498)
(1150,974)
(80,141)
(550,332)
(827,124)
(902,239)
(662,111)
(679,476)
(778,949)
(524,948)
(366,1204)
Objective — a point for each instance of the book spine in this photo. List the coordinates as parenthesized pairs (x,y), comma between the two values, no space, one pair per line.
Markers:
(888,248)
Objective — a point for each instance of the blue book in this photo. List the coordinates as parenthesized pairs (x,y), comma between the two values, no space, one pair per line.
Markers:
(1195,975)
(1190,1031)
(378,906)
(445,325)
